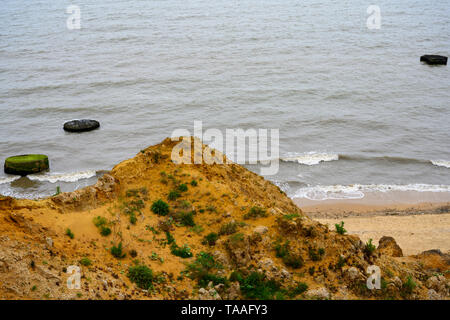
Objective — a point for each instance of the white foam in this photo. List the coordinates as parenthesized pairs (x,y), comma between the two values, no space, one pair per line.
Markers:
(64,177)
(8,179)
(357,191)
(441,163)
(311,158)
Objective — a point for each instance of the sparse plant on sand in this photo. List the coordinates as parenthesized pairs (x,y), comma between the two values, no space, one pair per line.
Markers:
(69,233)
(255,212)
(160,207)
(340,228)
(370,247)
(142,276)
(117,251)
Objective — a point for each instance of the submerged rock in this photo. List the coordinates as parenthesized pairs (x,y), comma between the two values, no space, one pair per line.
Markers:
(26,164)
(81,125)
(434,59)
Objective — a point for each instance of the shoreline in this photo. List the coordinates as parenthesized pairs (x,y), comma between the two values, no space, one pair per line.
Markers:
(417,224)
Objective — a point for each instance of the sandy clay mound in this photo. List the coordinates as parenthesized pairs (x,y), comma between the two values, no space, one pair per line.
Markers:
(154,229)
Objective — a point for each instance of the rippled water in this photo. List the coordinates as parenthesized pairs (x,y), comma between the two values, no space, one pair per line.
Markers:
(359,98)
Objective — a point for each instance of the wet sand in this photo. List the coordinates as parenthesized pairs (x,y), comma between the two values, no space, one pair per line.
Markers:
(417,224)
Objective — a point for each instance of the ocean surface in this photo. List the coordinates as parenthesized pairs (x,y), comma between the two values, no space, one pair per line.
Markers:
(356,109)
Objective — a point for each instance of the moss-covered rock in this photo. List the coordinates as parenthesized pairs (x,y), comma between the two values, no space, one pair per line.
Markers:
(26,164)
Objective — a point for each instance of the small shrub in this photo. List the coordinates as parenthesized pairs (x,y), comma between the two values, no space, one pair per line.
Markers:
(69,233)
(256,286)
(211,239)
(187,219)
(228,228)
(85,262)
(105,231)
(370,247)
(194,183)
(170,238)
(100,221)
(197,229)
(290,259)
(182,187)
(340,263)
(160,208)
(298,289)
(142,276)
(182,252)
(173,195)
(202,270)
(255,212)
(237,237)
(133,218)
(117,252)
(408,286)
(132,193)
(340,228)
(316,254)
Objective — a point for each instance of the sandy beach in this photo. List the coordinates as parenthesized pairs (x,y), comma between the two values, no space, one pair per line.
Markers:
(417,224)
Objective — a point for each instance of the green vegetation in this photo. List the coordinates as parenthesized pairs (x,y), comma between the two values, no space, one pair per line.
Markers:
(58,191)
(85,262)
(117,252)
(370,247)
(170,238)
(408,286)
(340,263)
(290,259)
(211,239)
(256,286)
(142,276)
(194,183)
(26,164)
(182,252)
(186,218)
(255,212)
(237,237)
(340,228)
(298,289)
(182,187)
(105,231)
(291,216)
(173,195)
(160,208)
(69,233)
(202,269)
(101,223)
(316,254)
(228,228)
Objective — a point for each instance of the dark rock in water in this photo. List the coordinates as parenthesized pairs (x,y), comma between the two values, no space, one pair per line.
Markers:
(434,59)
(81,125)
(26,164)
